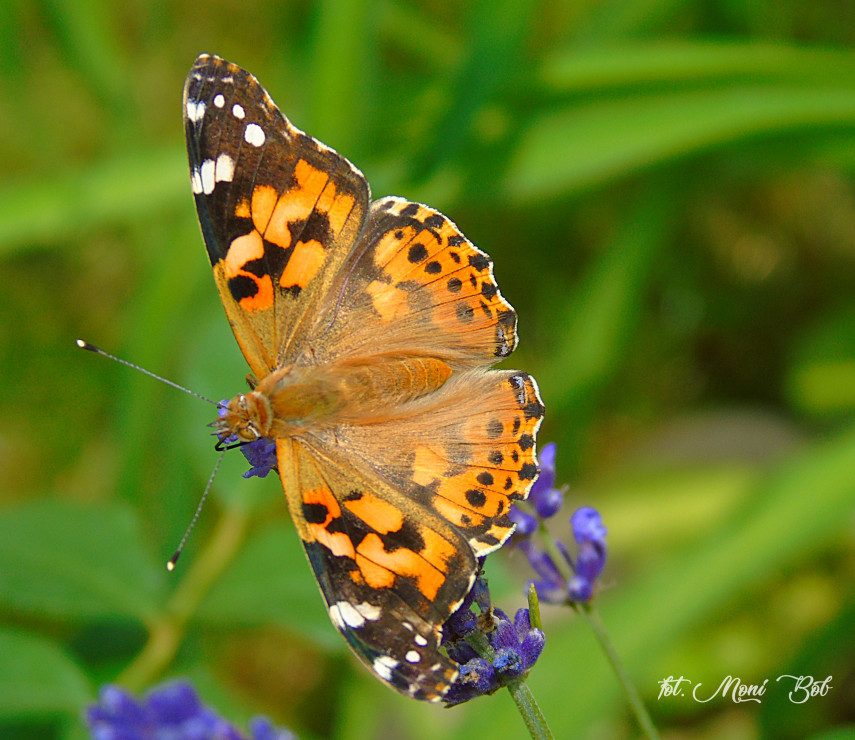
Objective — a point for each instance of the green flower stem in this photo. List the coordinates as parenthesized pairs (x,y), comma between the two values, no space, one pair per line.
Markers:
(167,629)
(534,608)
(530,710)
(633,697)
(602,635)
(527,705)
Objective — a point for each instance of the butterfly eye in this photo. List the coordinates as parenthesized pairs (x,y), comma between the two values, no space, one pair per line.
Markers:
(248,433)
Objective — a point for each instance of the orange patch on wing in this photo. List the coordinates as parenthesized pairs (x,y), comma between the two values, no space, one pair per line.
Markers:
(245,249)
(450,500)
(273,214)
(376,576)
(263,202)
(338,211)
(399,265)
(388,301)
(338,543)
(242,209)
(389,244)
(400,562)
(357,577)
(286,212)
(305,262)
(438,550)
(297,203)
(263,299)
(454,490)
(325,498)
(378,514)
(310,180)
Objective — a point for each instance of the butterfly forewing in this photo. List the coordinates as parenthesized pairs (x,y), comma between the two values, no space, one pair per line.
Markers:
(279,211)
(390,571)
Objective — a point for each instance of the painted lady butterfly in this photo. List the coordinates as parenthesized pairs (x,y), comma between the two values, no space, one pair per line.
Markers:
(371,328)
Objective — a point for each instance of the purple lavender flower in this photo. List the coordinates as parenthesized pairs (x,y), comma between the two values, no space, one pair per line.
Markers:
(171,711)
(526,523)
(588,525)
(476,678)
(260,453)
(546,499)
(552,587)
(518,645)
(515,646)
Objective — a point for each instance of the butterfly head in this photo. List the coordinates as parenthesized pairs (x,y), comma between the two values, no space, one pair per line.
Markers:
(247,416)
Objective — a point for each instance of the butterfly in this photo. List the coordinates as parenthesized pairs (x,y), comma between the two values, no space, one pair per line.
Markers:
(370,328)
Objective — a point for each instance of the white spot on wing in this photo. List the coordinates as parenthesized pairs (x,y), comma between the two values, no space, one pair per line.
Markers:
(384,665)
(225,168)
(370,611)
(195,110)
(238,111)
(219,100)
(196,181)
(412,656)
(419,640)
(345,615)
(335,617)
(254,134)
(206,172)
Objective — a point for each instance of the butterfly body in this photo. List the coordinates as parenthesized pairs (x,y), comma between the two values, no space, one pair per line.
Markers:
(294,399)
(372,328)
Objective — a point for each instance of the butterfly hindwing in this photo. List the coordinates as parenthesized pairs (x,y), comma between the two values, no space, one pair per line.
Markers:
(475,459)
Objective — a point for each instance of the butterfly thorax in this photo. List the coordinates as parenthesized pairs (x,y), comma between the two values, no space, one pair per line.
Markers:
(294,399)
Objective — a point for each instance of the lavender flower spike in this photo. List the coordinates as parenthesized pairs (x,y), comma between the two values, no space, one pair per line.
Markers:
(171,711)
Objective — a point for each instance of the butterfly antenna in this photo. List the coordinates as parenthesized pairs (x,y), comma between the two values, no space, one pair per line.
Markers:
(170,565)
(98,351)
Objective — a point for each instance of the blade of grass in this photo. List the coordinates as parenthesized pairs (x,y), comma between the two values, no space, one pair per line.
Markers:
(580,146)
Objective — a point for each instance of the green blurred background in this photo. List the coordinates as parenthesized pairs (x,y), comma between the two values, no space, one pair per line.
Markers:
(667,191)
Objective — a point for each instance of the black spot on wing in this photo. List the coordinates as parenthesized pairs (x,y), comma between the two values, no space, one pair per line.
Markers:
(242,286)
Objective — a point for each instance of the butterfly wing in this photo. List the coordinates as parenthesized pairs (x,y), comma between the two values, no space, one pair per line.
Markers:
(279,211)
(416,285)
(464,453)
(390,572)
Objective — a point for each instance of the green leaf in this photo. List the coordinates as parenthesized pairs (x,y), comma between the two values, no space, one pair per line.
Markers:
(68,561)
(38,677)
(658,62)
(605,137)
(130,188)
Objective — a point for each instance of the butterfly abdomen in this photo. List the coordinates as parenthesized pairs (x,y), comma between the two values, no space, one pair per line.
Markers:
(378,386)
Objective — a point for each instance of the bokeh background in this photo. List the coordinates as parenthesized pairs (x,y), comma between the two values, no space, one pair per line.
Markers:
(667,190)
